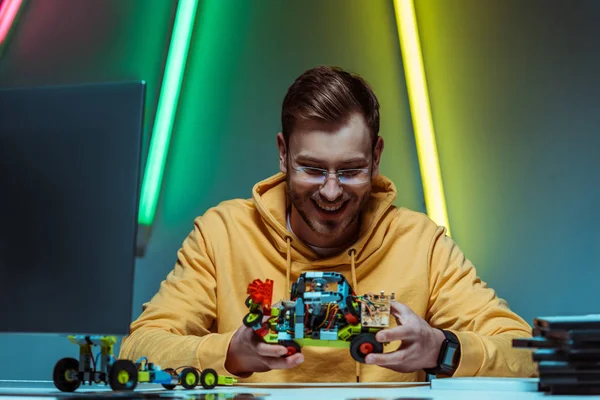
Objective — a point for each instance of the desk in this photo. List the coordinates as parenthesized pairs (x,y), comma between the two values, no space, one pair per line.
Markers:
(451,389)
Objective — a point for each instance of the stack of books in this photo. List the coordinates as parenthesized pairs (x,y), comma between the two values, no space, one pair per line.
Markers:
(567,350)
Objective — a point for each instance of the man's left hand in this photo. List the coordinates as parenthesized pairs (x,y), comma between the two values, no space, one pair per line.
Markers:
(420,342)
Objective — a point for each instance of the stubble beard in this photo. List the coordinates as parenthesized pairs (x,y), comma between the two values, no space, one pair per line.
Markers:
(328,228)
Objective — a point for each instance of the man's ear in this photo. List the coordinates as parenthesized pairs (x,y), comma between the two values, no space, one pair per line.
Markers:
(377,156)
(282,153)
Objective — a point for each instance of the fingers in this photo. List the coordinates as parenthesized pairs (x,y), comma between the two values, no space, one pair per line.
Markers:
(400,310)
(284,363)
(400,332)
(272,356)
(245,334)
(270,350)
(249,353)
(391,360)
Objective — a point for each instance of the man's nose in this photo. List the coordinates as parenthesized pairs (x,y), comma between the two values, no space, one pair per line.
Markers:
(331,189)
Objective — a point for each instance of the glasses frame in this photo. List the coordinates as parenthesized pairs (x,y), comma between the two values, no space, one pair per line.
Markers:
(326,173)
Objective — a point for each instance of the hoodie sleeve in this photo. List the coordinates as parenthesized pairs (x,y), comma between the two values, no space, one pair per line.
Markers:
(485,326)
(174,328)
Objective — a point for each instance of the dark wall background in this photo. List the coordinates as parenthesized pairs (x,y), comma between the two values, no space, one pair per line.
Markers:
(69,42)
(513,87)
(515,93)
(243,56)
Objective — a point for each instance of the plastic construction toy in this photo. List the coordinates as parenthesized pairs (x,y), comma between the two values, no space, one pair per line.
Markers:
(323,310)
(70,373)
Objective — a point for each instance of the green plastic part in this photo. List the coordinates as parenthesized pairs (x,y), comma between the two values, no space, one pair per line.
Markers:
(271,338)
(348,331)
(226,380)
(340,344)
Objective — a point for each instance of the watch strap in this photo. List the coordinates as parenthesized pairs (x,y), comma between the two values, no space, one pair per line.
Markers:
(449,356)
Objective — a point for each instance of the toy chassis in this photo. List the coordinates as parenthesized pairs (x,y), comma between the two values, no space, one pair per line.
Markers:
(70,373)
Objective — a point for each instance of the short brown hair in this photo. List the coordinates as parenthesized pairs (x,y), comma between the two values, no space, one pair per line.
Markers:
(329,94)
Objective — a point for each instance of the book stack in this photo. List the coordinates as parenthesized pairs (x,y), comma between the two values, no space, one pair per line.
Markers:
(567,350)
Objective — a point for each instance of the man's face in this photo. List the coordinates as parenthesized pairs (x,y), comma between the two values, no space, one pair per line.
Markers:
(331,209)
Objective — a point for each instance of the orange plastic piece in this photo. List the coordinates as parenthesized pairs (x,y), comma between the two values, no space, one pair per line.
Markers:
(261,292)
(366,348)
(351,318)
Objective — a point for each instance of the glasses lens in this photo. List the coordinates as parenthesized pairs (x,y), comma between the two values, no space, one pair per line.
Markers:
(354,176)
(312,175)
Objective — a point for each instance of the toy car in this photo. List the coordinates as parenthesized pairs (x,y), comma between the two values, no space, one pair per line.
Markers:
(69,373)
(323,310)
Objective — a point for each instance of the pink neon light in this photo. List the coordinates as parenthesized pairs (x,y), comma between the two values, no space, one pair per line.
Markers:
(8,12)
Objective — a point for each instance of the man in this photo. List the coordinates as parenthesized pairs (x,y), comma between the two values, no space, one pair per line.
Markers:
(328,210)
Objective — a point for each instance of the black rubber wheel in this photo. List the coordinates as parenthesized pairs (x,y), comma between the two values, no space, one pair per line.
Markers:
(209,378)
(123,375)
(248,301)
(300,287)
(294,291)
(171,372)
(291,346)
(63,368)
(189,378)
(253,319)
(364,344)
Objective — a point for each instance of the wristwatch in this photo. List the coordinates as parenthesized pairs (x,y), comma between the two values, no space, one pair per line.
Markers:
(449,356)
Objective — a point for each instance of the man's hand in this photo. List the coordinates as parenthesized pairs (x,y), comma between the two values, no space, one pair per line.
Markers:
(248,354)
(420,342)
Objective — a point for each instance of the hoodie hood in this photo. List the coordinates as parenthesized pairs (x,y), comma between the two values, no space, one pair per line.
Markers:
(271,201)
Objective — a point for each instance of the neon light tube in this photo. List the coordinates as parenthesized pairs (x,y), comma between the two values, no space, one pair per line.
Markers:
(167,107)
(421,112)
(8,12)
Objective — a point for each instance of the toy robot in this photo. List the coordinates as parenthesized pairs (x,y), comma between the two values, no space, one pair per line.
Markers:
(323,310)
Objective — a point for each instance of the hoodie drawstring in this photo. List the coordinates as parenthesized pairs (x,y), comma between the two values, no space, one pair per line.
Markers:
(288,268)
(352,254)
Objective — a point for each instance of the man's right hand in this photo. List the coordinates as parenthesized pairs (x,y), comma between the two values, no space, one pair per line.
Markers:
(247,354)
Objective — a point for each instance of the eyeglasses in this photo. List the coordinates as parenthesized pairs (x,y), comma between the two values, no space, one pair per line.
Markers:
(353,176)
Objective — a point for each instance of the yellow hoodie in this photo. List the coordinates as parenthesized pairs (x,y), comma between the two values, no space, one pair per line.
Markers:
(192,318)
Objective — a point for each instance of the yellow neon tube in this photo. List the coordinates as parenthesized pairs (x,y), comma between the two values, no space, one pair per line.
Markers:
(421,113)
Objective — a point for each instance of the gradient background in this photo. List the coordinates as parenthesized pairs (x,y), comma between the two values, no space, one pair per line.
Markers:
(514,91)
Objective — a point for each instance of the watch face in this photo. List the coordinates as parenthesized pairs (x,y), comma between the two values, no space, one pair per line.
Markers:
(451,356)
(450,353)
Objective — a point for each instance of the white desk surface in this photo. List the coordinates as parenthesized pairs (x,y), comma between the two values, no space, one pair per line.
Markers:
(451,389)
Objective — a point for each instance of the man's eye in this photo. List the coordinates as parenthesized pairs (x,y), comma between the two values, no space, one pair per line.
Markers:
(313,171)
(350,172)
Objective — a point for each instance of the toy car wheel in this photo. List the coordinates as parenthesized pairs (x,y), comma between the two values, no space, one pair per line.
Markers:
(253,319)
(209,378)
(300,287)
(171,372)
(66,375)
(291,346)
(189,378)
(294,291)
(248,301)
(123,375)
(364,344)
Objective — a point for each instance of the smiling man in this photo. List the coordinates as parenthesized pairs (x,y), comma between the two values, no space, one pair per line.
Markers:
(325,212)
(328,209)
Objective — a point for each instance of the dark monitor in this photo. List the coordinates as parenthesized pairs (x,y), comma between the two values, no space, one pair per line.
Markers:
(69,193)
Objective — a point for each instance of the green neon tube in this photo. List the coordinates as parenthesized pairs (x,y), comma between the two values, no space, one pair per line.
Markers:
(167,107)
